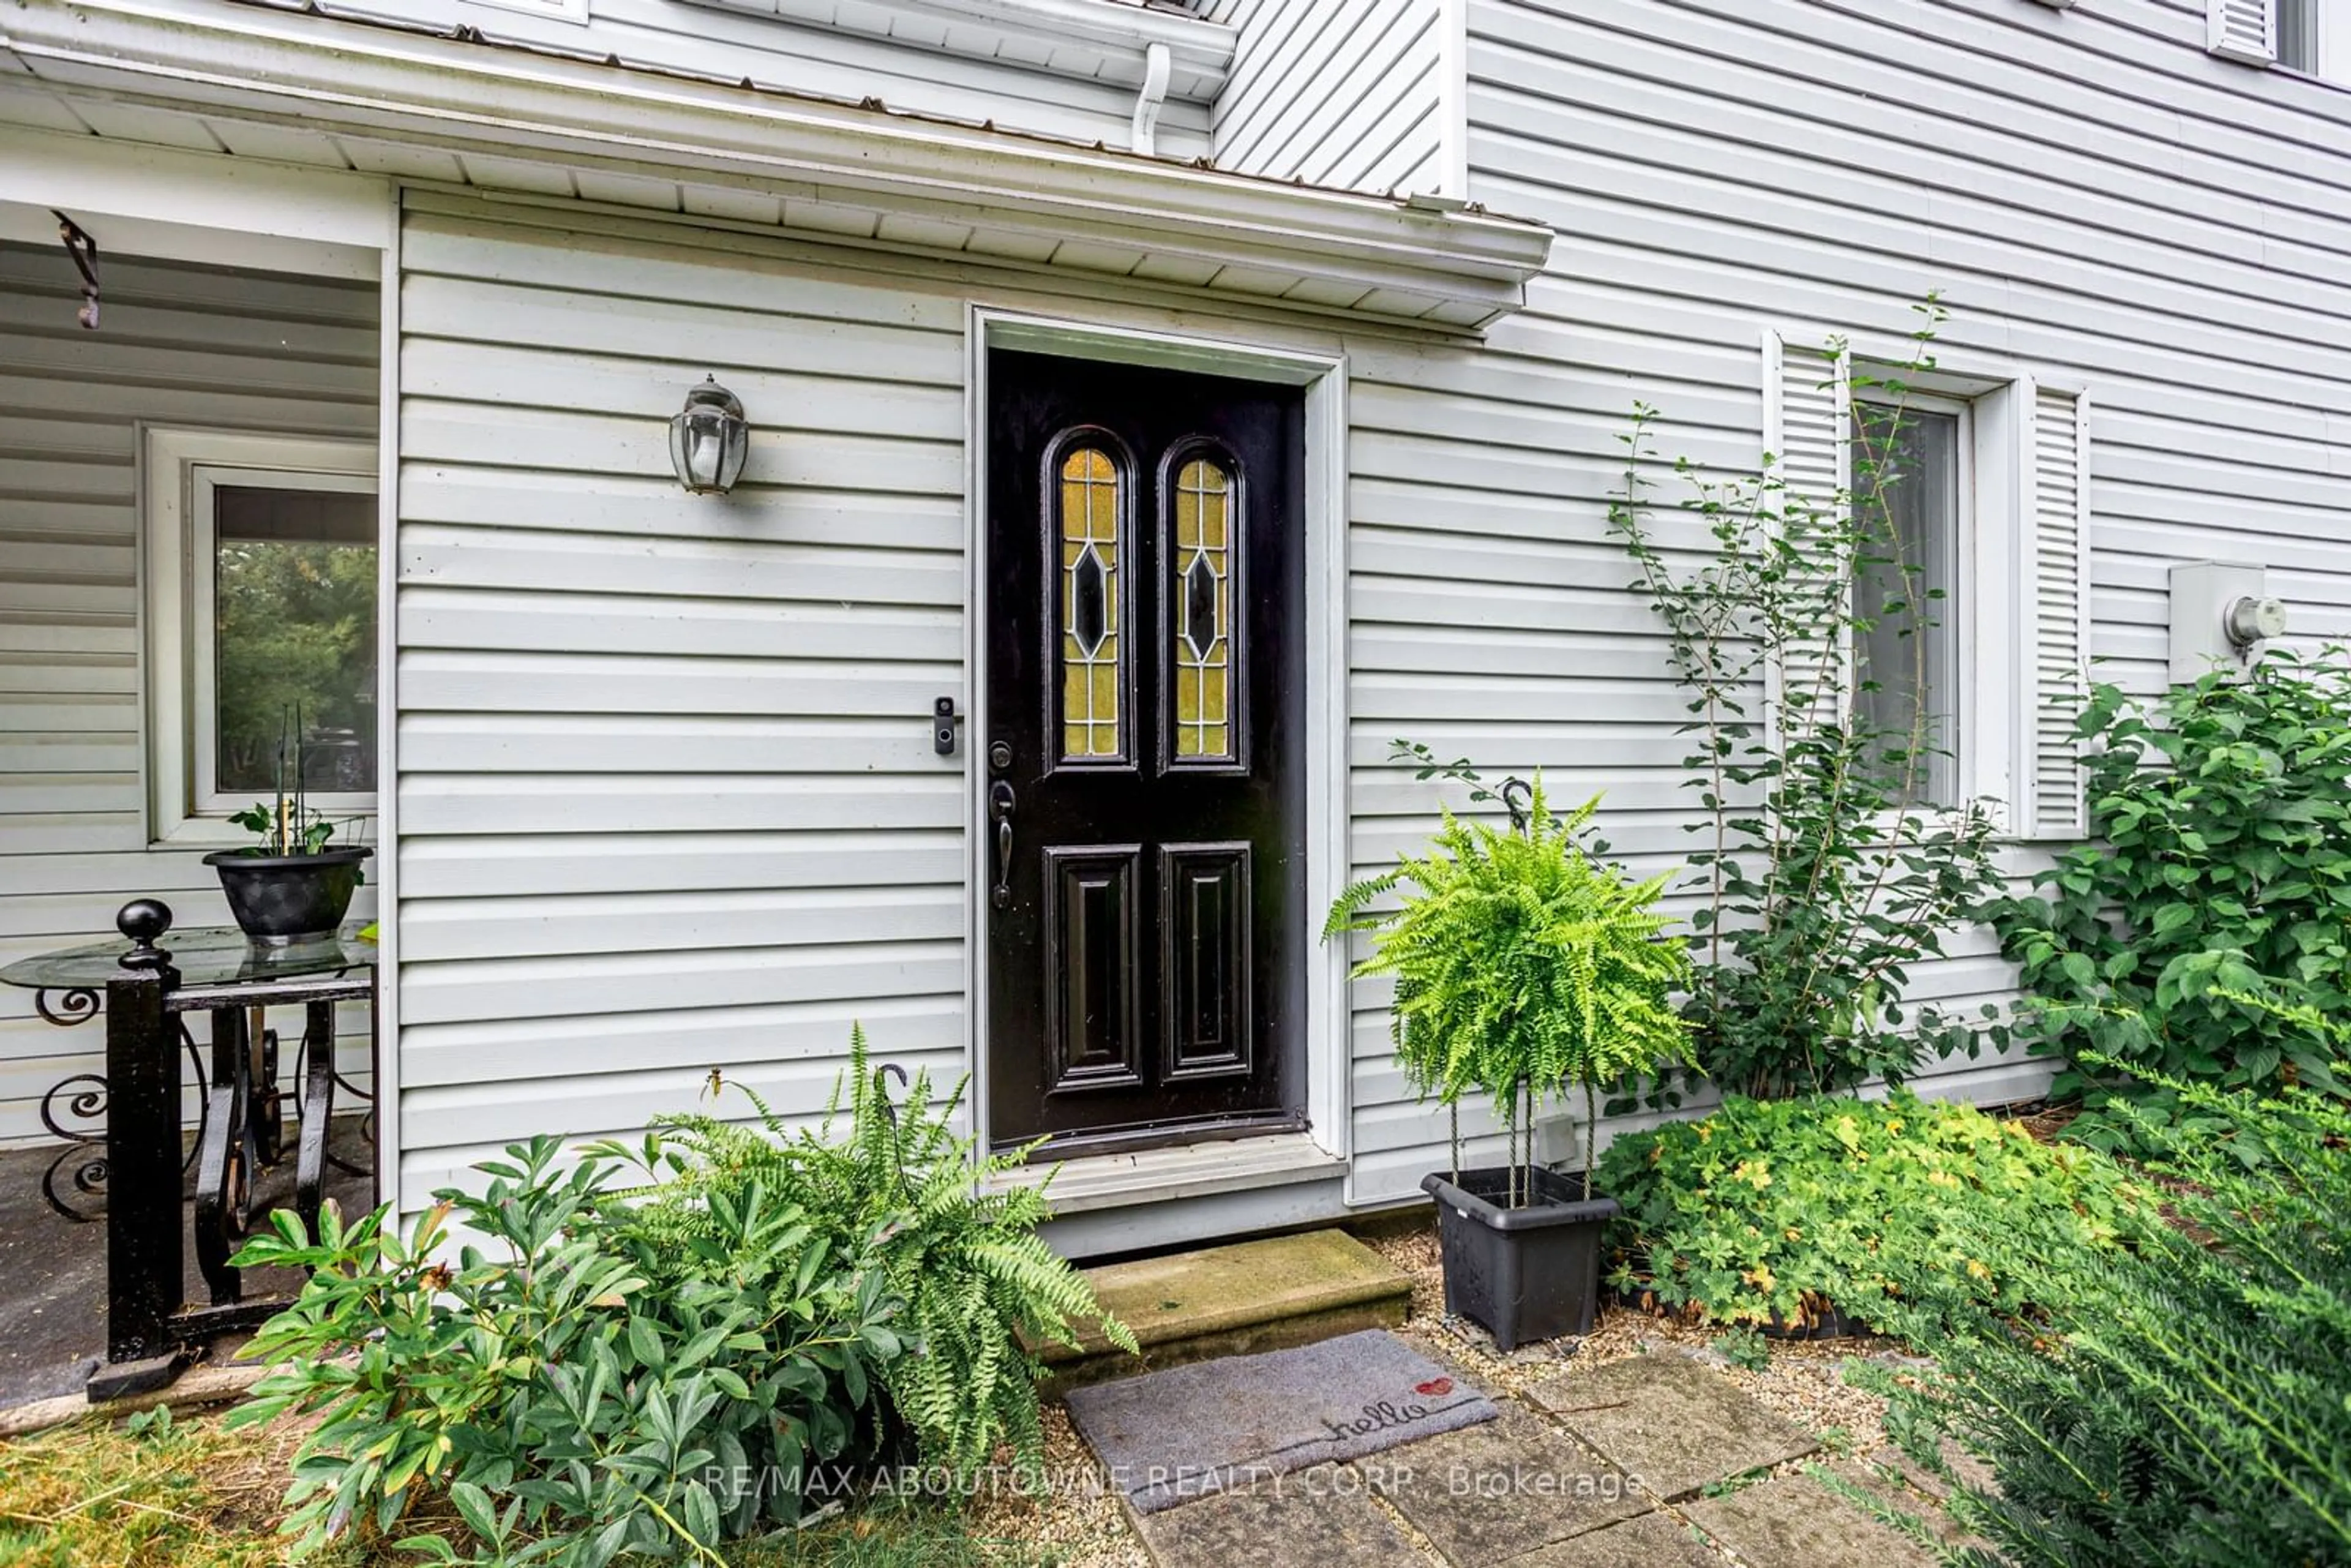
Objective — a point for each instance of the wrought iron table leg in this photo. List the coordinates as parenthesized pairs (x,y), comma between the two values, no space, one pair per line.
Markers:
(318,1065)
(225,1144)
(264,1112)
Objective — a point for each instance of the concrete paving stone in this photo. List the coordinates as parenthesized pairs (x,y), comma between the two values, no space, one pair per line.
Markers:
(1313,1519)
(1793,1521)
(1493,1492)
(1669,1423)
(1652,1540)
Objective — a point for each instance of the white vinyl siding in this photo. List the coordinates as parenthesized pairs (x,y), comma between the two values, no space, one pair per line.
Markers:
(179,345)
(1347,96)
(667,796)
(2100,201)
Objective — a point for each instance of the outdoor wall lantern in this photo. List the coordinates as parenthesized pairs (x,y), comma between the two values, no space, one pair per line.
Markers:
(709,439)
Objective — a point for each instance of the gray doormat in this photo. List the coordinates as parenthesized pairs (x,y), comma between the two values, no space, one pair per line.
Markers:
(1225,1425)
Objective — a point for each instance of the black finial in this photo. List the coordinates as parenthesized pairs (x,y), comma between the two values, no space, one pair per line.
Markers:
(144,921)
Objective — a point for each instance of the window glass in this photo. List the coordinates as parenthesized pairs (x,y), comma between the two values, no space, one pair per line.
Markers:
(1200,599)
(2297,34)
(1091,515)
(1907,498)
(294,580)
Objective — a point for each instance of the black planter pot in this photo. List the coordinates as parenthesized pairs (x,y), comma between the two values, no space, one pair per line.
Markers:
(1521,1274)
(280,899)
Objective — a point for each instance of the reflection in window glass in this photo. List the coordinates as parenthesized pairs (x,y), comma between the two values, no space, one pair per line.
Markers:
(1907,491)
(295,597)
(1092,723)
(1200,611)
(2297,35)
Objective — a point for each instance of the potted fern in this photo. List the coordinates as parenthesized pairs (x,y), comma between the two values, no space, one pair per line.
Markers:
(1525,969)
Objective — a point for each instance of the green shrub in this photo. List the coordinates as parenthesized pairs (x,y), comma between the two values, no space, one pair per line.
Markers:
(1770,1212)
(1821,878)
(2185,1400)
(570,1386)
(2224,866)
(1522,963)
(904,1194)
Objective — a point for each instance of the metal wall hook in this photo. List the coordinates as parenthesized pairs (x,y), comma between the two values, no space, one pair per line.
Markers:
(1518,799)
(84,251)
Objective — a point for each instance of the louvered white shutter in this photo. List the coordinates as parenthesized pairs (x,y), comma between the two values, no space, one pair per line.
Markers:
(2243,30)
(2055,561)
(1807,421)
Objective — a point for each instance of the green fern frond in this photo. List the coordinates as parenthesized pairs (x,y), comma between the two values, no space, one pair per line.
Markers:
(901,1189)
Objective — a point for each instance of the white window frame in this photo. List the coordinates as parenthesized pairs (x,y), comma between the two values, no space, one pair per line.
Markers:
(2330,45)
(2321,55)
(1996,507)
(180,468)
(1957,610)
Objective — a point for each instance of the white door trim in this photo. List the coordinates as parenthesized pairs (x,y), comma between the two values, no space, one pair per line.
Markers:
(1329,1102)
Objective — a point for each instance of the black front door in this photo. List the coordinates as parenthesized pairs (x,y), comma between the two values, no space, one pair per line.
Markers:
(1143,786)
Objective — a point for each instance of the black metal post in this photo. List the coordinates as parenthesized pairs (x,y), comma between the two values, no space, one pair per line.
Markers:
(145,1280)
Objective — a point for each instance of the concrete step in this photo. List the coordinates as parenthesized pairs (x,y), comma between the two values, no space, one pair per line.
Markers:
(1235,1299)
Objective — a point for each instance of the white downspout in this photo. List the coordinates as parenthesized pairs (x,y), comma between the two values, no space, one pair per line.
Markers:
(1156,63)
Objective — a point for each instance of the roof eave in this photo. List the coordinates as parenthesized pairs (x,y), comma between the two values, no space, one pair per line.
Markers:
(1449,270)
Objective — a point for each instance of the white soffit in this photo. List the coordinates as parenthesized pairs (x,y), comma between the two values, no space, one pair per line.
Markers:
(418,105)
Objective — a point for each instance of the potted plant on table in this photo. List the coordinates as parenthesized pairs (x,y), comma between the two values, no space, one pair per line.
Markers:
(295,884)
(1525,968)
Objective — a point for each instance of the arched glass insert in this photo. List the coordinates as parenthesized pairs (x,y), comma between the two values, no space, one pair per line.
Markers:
(1093,720)
(1200,611)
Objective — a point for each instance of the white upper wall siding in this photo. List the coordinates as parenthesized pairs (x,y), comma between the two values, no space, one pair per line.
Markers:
(2098,198)
(180,345)
(1348,95)
(668,801)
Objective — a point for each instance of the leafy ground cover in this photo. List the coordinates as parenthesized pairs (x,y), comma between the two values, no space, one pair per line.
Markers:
(1770,1212)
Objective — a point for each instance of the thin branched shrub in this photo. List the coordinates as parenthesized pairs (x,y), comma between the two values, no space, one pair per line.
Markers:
(1821,878)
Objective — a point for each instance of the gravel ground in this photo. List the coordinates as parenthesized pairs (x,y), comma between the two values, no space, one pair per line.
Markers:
(1080,1521)
(1084,1525)
(1803,1381)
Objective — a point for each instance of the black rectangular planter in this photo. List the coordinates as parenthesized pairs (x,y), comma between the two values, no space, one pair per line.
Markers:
(1522,1274)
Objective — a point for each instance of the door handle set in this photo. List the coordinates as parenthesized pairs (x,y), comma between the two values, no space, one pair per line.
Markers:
(1000,802)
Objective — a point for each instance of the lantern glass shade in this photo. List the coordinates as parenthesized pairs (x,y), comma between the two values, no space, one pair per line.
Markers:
(708,440)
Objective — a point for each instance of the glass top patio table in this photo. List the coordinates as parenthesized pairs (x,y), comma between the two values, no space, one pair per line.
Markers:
(203,956)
